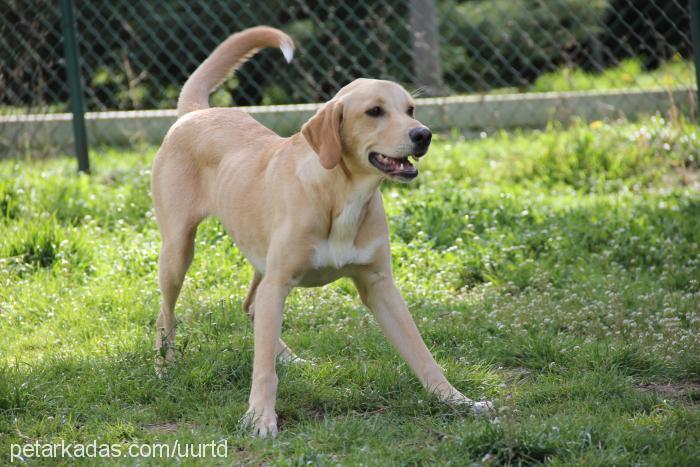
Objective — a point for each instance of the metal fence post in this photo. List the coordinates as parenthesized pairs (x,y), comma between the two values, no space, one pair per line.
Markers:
(695,30)
(77,105)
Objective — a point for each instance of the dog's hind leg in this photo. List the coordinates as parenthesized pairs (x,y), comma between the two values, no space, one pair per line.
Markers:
(175,258)
(178,213)
(284,353)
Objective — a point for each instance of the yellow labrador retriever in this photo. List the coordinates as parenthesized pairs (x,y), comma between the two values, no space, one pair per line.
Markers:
(304,210)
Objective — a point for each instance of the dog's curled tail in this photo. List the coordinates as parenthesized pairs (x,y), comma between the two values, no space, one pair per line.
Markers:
(225,59)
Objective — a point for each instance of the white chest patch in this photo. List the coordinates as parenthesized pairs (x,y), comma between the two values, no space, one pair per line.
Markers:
(336,254)
(339,249)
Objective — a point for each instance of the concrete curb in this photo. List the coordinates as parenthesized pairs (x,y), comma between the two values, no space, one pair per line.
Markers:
(53,133)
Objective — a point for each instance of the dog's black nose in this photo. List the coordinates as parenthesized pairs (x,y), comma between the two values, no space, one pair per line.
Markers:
(420,135)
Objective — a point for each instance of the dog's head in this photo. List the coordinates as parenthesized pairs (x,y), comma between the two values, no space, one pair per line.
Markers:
(370,127)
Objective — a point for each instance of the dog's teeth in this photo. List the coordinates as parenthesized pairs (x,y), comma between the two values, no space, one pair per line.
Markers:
(401,167)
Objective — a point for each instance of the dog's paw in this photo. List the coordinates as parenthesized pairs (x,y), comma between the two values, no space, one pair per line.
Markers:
(161,370)
(479,408)
(262,422)
(162,365)
(287,356)
(293,359)
(165,354)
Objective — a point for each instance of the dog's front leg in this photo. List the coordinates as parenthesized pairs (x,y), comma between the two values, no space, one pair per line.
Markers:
(269,301)
(380,294)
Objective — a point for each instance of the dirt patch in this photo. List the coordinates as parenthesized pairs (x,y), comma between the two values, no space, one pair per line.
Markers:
(516,375)
(166,427)
(683,392)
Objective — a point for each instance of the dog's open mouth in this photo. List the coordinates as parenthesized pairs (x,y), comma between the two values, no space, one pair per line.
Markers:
(396,168)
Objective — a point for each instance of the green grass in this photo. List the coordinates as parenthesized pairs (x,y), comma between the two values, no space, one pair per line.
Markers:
(629,73)
(556,271)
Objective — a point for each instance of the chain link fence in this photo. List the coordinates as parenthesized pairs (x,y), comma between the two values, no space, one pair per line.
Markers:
(137,55)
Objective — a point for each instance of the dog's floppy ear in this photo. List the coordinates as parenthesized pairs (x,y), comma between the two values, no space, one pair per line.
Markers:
(322,132)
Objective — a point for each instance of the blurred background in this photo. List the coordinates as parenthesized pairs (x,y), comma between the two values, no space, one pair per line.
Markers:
(610,57)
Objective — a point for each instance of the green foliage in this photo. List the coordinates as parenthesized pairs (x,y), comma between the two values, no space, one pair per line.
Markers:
(554,271)
(503,43)
(628,73)
(9,208)
(137,55)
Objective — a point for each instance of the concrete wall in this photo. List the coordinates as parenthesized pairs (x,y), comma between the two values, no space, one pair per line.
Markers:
(52,133)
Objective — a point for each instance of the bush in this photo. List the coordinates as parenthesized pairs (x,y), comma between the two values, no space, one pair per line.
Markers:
(503,43)
(138,54)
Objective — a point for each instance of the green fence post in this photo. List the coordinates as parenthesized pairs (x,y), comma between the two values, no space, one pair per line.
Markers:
(695,29)
(77,105)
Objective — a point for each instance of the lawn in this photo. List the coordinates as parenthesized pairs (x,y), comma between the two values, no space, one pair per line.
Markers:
(673,74)
(556,272)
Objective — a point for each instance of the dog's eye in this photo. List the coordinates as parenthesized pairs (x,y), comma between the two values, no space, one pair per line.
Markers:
(375,112)
(411,111)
